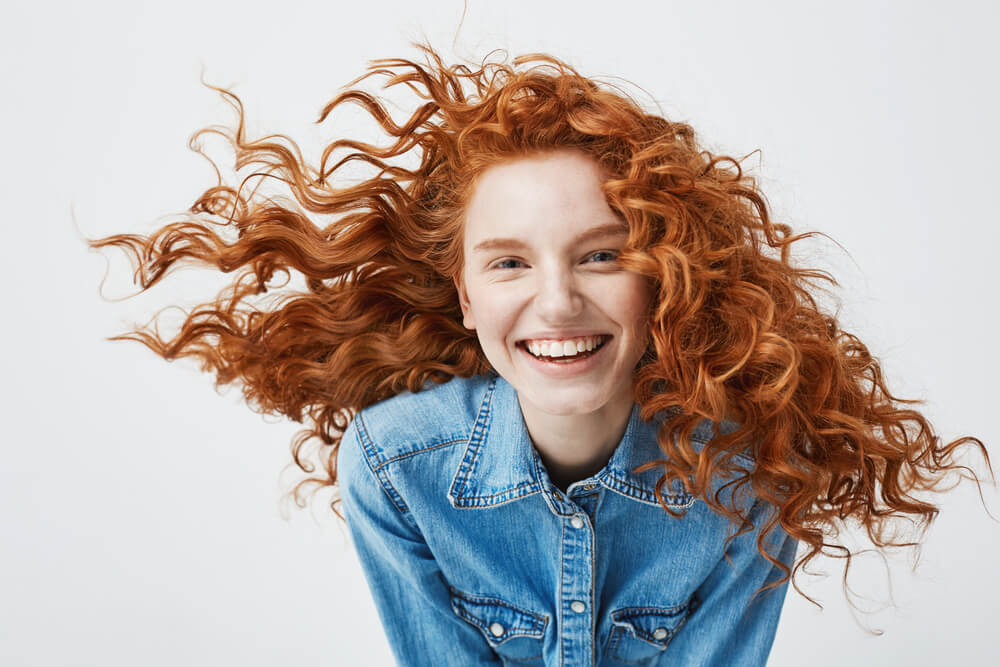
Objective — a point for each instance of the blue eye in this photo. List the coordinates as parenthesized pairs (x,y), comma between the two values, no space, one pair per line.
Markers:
(612,255)
(499,265)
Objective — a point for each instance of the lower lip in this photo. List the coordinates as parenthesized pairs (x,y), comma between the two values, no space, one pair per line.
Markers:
(562,369)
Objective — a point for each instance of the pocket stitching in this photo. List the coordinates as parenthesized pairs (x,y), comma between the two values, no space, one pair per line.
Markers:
(623,628)
(538,621)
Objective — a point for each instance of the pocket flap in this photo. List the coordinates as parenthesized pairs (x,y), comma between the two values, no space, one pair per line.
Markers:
(499,620)
(655,625)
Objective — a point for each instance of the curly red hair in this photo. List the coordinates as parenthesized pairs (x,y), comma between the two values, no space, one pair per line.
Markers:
(735,329)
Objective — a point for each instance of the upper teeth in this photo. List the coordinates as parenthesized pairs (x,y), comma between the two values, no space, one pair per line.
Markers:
(562,348)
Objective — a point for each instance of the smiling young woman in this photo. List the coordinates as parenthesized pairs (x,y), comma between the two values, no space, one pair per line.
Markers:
(580,404)
(539,272)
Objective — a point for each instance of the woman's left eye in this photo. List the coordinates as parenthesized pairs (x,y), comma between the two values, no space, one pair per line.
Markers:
(609,254)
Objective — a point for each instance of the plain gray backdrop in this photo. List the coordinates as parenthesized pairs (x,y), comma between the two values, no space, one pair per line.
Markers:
(141,510)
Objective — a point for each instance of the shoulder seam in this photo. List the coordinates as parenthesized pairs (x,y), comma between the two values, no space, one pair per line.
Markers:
(443,443)
(380,471)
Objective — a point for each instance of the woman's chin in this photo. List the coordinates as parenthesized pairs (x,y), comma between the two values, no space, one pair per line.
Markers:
(565,402)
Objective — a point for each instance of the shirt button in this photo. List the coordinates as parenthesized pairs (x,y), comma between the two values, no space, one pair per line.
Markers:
(588,487)
(578,606)
(659,633)
(577,522)
(497,629)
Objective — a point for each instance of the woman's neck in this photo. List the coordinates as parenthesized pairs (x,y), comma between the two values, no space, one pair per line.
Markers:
(574,447)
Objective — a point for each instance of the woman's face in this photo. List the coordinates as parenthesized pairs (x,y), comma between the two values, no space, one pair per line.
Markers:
(540,275)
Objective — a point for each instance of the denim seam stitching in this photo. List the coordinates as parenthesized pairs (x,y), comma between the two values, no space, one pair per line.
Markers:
(421,451)
(479,430)
(505,493)
(624,628)
(487,599)
(626,488)
(508,633)
(627,612)
(371,451)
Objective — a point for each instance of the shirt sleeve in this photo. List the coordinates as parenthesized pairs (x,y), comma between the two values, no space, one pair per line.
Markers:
(410,593)
(729,624)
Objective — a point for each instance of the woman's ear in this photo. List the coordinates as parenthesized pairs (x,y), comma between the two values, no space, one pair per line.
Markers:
(463,300)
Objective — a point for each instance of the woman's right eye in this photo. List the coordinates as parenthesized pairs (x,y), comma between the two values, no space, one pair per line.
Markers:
(500,264)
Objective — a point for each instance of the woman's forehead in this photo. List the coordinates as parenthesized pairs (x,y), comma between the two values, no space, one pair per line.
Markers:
(558,192)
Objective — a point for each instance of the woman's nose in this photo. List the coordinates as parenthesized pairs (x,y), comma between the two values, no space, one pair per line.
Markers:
(557,298)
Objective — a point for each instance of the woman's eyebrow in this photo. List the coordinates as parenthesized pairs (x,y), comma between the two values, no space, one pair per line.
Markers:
(600,231)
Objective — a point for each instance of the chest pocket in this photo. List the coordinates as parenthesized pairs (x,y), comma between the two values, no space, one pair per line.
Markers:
(515,634)
(640,635)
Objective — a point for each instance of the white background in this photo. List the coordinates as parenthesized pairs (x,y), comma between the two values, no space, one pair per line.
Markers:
(140,514)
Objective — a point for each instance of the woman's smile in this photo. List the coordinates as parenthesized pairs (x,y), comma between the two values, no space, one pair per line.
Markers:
(557,359)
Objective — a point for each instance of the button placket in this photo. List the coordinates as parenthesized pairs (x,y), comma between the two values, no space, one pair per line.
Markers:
(577,586)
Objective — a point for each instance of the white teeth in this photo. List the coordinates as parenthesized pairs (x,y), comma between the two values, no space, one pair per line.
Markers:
(567,348)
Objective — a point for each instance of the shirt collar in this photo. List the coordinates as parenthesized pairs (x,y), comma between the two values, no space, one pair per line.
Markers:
(500,463)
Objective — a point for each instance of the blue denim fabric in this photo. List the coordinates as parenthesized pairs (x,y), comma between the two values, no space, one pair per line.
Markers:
(474,557)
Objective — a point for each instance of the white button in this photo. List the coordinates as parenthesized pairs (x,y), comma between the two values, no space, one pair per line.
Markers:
(577,606)
(577,522)
(497,629)
(659,633)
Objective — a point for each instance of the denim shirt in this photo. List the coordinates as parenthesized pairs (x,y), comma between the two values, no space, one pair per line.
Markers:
(474,557)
